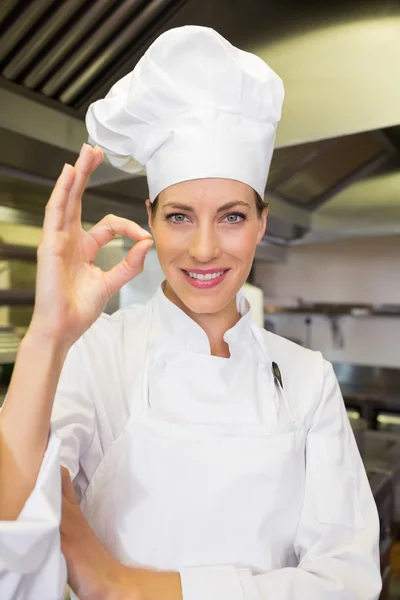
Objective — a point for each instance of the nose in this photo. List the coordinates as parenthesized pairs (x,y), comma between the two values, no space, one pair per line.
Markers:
(205,244)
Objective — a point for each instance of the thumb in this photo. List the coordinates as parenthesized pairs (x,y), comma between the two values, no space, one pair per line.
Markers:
(128,268)
(67,486)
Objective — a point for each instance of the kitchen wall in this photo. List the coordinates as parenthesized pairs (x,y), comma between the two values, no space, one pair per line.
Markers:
(17,273)
(364,270)
(22,274)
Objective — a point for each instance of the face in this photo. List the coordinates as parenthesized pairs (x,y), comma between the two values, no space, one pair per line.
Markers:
(206,232)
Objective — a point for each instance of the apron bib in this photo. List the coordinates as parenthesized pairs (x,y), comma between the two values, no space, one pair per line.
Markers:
(173,495)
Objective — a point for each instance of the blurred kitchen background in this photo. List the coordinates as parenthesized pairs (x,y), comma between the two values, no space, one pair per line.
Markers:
(327,274)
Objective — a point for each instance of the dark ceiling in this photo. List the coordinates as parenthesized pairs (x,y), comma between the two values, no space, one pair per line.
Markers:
(68,54)
(72,52)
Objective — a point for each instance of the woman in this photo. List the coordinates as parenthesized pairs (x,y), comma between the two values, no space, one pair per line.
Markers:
(210,459)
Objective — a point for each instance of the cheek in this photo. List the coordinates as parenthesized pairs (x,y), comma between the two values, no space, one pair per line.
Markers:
(169,244)
(240,243)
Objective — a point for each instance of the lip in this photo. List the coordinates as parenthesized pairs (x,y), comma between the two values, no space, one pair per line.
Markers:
(205,285)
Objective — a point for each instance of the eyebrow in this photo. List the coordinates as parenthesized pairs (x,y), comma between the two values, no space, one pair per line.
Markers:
(227,206)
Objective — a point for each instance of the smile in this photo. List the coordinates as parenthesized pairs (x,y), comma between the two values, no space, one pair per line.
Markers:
(205,276)
(205,279)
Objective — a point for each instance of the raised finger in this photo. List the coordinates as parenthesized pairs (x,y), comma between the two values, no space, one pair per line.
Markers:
(128,268)
(55,208)
(89,159)
(106,229)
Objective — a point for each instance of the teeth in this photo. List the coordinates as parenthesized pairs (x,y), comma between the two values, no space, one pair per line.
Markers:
(205,277)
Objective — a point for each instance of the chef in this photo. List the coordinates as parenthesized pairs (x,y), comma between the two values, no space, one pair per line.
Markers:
(203,457)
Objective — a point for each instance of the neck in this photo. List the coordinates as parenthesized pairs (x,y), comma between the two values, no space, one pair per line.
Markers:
(215,325)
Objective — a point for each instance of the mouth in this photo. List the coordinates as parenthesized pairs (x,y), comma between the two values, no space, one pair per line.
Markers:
(205,278)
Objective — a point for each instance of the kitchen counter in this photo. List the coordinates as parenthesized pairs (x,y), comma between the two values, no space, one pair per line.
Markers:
(369,401)
(384,397)
(369,390)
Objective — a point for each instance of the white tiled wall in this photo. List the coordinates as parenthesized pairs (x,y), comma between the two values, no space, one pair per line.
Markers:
(363,270)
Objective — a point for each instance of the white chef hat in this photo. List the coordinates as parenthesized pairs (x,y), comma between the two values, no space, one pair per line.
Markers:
(193,107)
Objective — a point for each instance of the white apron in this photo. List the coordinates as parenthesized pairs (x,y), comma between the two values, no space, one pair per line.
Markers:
(173,495)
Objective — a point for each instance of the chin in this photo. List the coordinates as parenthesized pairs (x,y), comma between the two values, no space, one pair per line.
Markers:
(206,306)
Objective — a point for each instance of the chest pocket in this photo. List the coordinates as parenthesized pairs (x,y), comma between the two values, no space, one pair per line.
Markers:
(332,478)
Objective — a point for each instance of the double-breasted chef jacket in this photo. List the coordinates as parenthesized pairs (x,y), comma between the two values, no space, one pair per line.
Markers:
(249,486)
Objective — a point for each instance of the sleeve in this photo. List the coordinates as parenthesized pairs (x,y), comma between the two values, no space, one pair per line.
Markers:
(337,538)
(90,407)
(31,563)
(74,416)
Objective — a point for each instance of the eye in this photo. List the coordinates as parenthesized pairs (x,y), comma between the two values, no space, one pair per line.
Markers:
(235,218)
(176,217)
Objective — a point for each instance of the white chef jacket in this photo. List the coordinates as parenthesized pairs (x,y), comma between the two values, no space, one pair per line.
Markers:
(323,543)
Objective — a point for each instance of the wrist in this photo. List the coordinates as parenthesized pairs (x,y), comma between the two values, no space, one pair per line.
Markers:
(36,337)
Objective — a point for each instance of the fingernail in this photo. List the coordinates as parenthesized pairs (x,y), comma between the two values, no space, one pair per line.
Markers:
(147,233)
(84,148)
(150,245)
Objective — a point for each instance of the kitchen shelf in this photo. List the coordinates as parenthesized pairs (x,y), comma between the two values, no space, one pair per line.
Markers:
(17,297)
(337,310)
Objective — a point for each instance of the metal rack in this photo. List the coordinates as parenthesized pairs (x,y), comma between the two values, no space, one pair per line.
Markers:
(337,310)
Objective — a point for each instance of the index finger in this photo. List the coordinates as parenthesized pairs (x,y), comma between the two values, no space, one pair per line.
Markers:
(89,160)
(55,208)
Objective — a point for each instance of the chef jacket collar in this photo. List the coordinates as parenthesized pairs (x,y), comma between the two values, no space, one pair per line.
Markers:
(184,330)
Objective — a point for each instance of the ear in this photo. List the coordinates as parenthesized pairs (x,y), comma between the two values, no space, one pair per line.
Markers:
(262,225)
(149,215)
